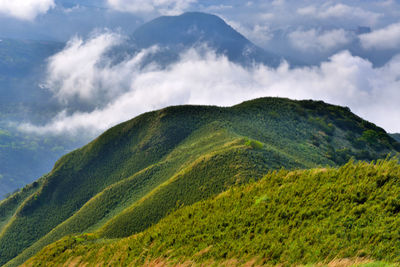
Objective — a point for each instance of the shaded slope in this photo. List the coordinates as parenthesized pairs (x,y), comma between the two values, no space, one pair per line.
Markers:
(9,206)
(148,164)
(298,217)
(207,176)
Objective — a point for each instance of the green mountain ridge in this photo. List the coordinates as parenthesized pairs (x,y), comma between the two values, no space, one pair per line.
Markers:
(289,218)
(140,171)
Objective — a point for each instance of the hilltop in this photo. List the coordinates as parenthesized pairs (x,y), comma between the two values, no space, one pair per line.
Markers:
(138,172)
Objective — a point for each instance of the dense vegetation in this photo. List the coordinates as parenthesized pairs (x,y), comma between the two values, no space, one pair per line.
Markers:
(287,217)
(9,206)
(136,173)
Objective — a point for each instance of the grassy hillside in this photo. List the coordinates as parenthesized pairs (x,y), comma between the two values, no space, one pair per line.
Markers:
(9,206)
(139,171)
(288,217)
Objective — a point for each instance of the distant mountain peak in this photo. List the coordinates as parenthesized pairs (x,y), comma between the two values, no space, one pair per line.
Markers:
(186,28)
(193,28)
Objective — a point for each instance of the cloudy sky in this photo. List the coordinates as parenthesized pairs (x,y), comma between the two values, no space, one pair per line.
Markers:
(348,49)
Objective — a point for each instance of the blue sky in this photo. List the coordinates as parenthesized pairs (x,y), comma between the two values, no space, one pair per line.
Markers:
(317,29)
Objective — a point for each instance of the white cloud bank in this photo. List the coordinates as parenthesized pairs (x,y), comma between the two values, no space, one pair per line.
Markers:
(77,71)
(385,38)
(165,7)
(347,80)
(25,9)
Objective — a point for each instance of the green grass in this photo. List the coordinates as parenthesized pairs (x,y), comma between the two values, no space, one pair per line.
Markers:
(309,217)
(138,172)
(9,206)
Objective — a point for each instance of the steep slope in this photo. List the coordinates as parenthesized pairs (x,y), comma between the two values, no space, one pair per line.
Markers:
(137,172)
(9,206)
(177,33)
(289,218)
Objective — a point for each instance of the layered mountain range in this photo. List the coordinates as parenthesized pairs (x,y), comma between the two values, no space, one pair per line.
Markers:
(23,68)
(265,182)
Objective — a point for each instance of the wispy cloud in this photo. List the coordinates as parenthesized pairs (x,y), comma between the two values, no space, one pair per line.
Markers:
(385,38)
(259,34)
(342,11)
(311,40)
(77,71)
(25,9)
(208,78)
(320,27)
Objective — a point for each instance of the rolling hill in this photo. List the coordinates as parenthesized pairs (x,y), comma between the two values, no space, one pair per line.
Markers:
(316,216)
(138,172)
